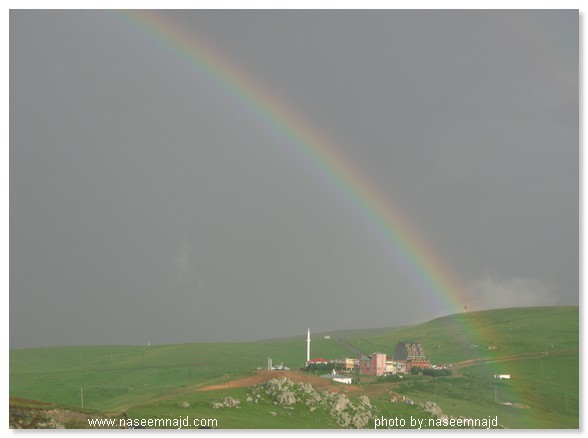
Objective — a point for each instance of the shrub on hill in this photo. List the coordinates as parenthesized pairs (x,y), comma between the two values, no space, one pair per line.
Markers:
(436,373)
(327,367)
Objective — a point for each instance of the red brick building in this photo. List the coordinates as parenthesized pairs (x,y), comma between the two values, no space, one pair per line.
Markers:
(420,362)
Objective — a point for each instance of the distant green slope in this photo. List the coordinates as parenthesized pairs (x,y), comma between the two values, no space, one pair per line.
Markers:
(469,335)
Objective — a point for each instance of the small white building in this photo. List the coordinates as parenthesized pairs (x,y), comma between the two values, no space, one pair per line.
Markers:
(502,376)
(342,379)
(338,378)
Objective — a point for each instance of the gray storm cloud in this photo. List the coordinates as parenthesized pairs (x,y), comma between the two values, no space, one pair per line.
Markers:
(490,293)
(149,202)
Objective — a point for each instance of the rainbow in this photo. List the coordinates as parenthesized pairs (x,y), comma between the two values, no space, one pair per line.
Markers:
(405,243)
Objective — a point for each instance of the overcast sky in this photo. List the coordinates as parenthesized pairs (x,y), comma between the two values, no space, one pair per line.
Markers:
(148,204)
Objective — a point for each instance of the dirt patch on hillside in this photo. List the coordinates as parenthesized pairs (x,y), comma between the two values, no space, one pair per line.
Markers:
(318,383)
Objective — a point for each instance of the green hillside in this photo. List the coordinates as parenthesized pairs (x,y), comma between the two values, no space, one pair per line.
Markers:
(469,335)
(115,377)
(539,347)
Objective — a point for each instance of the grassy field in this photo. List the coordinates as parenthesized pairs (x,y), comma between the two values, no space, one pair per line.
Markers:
(542,392)
(117,377)
(537,346)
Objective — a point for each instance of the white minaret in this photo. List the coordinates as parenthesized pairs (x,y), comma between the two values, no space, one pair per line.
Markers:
(308,347)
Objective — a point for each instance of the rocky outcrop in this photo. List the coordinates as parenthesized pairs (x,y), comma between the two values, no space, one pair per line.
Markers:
(228,402)
(432,408)
(351,415)
(342,410)
(340,403)
(33,419)
(305,388)
(286,398)
(281,391)
(365,401)
(26,417)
